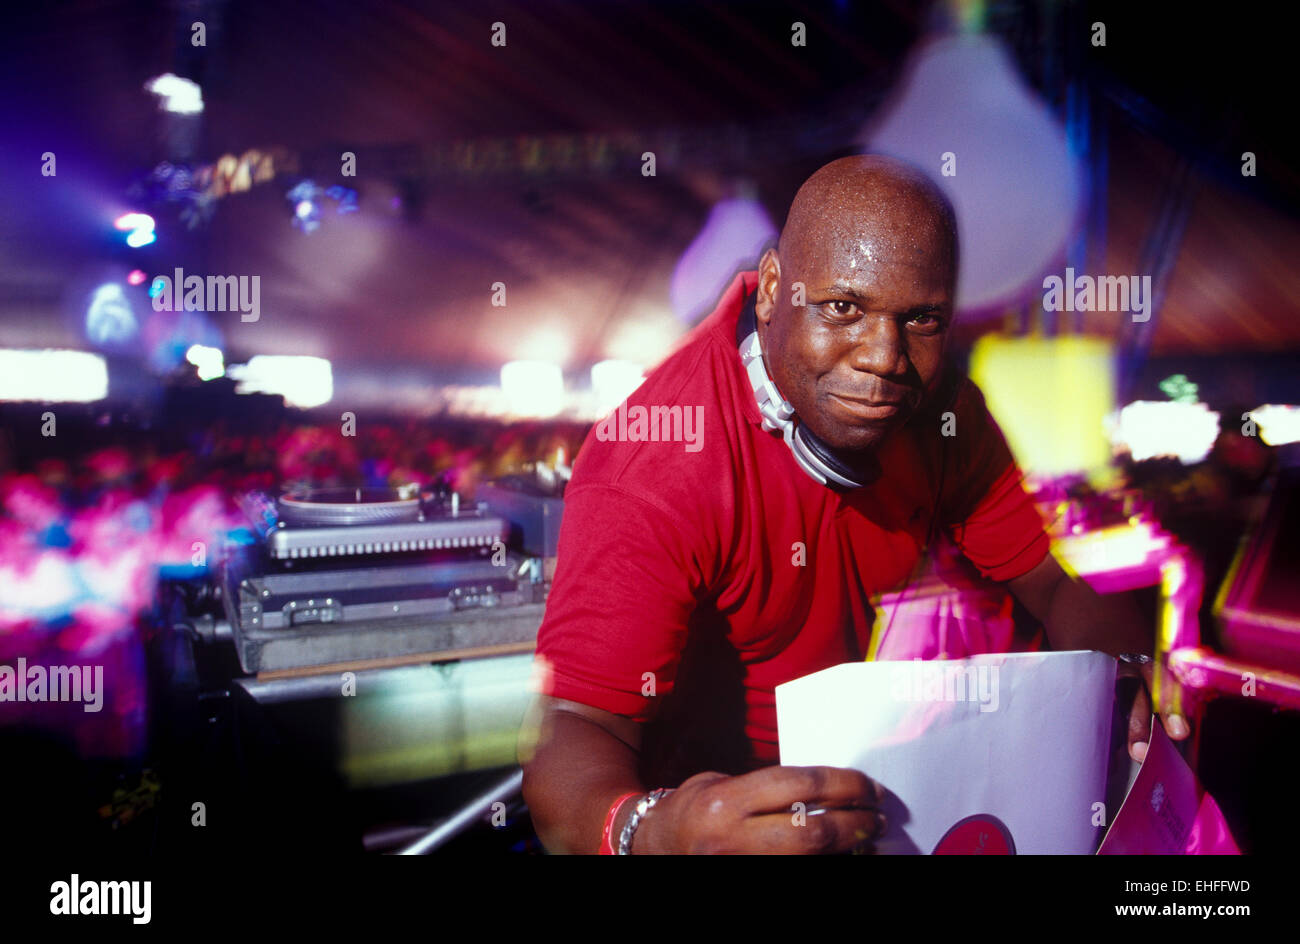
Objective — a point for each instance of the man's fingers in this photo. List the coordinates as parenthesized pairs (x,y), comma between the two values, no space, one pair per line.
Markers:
(1176,726)
(777,789)
(1139,726)
(821,834)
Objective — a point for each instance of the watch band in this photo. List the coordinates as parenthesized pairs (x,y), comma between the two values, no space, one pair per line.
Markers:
(1135,658)
(643,806)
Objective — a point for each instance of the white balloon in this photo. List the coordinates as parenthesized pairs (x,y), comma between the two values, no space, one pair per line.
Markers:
(1017,190)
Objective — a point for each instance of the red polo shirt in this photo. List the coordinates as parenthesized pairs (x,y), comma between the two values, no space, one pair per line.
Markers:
(698,572)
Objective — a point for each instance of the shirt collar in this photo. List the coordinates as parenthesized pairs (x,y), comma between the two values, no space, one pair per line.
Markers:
(725,319)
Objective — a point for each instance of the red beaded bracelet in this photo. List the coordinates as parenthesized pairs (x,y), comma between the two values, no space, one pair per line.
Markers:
(607,840)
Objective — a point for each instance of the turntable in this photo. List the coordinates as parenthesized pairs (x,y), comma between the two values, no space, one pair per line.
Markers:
(343,522)
(342,576)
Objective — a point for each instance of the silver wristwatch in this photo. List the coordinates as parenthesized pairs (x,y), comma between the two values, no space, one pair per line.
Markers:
(644,806)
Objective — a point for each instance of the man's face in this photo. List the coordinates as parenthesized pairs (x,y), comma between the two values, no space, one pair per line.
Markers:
(858,356)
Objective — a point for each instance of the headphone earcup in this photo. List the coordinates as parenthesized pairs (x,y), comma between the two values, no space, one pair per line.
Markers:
(813,455)
(822,455)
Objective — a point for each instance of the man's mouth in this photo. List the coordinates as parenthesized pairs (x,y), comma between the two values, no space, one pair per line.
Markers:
(867,409)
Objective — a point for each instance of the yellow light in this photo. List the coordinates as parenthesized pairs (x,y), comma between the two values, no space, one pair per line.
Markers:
(1051,397)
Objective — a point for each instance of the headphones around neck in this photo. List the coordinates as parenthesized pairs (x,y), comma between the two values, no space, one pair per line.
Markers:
(814,456)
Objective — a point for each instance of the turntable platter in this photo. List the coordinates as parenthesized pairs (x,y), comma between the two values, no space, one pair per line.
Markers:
(335,507)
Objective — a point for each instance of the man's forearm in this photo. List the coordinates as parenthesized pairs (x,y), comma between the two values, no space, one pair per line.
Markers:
(577,771)
(1076,617)
(1081,618)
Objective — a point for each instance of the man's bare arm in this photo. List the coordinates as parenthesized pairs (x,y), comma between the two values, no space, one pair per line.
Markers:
(581,761)
(585,758)
(1077,617)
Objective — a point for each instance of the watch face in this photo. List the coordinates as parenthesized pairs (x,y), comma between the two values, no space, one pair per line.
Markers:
(980,834)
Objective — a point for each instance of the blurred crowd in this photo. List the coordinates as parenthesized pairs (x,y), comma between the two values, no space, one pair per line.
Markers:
(85,537)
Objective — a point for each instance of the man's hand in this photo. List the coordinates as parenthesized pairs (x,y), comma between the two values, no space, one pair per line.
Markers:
(584,758)
(757,813)
(1139,718)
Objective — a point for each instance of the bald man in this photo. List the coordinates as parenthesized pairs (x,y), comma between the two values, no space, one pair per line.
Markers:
(698,572)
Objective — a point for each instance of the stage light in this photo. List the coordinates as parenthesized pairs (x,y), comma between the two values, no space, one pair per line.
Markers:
(1179,389)
(345,197)
(1157,429)
(533,388)
(1113,548)
(1051,396)
(110,319)
(306,209)
(52,376)
(139,229)
(613,381)
(169,335)
(176,95)
(646,337)
(130,221)
(303,381)
(136,277)
(548,345)
(1278,424)
(209,361)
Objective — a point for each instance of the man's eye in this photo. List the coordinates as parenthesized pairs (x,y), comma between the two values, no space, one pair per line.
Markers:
(842,309)
(926,321)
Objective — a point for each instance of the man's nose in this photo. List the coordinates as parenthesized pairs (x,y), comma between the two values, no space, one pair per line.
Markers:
(880,347)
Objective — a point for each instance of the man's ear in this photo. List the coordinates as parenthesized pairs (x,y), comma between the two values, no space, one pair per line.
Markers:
(769,283)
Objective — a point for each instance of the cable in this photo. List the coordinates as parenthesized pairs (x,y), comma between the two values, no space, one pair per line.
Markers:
(929,541)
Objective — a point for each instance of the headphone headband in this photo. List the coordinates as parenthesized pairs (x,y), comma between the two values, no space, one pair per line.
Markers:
(813,455)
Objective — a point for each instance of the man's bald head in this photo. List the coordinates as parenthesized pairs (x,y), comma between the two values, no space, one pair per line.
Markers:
(866,191)
(854,304)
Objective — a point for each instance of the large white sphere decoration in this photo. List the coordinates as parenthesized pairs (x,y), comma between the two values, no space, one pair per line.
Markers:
(1016,188)
(732,238)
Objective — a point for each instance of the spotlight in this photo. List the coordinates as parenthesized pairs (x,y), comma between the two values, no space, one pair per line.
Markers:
(533,388)
(1278,424)
(175,94)
(110,319)
(128,221)
(306,209)
(613,381)
(52,376)
(304,382)
(209,361)
(1153,429)
(138,227)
